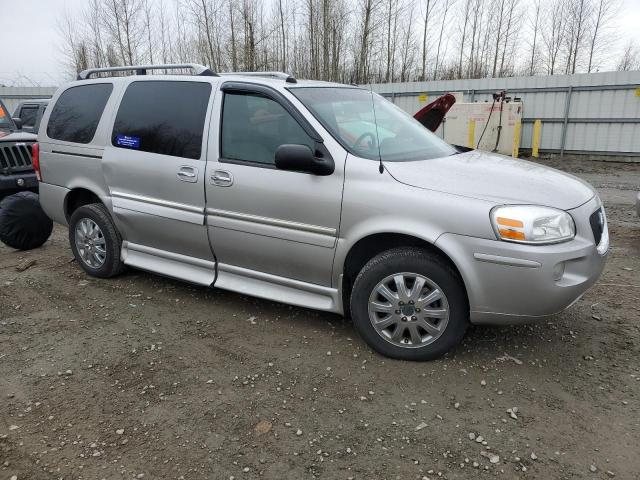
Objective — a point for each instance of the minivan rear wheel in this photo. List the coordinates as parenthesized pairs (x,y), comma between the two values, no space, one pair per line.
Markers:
(410,304)
(95,241)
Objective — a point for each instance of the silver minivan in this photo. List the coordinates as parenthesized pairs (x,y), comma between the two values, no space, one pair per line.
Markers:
(315,194)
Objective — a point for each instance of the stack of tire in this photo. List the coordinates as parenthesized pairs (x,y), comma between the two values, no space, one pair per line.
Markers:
(23,223)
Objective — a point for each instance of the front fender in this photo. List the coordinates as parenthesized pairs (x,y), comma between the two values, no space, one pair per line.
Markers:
(376,203)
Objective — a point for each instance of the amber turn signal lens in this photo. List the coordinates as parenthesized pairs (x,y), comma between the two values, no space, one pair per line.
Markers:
(509,222)
(511,234)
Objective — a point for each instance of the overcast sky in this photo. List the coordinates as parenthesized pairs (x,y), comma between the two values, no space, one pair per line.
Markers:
(29,39)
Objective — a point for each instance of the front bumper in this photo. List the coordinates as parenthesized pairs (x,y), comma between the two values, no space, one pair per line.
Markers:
(17,182)
(516,283)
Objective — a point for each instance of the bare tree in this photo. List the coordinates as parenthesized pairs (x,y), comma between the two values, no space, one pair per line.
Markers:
(345,40)
(73,47)
(511,29)
(476,30)
(602,16)
(500,4)
(148,13)
(408,49)
(248,14)
(577,14)
(283,32)
(554,33)
(427,14)
(443,22)
(393,12)
(123,24)
(535,29)
(94,33)
(164,33)
(367,12)
(467,8)
(630,59)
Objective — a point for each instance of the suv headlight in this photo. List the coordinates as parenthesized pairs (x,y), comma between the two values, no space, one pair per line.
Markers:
(532,224)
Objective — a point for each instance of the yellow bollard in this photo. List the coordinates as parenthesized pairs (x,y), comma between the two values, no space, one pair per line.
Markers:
(516,139)
(535,141)
(471,135)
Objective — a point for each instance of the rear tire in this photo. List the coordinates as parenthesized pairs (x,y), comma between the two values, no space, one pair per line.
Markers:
(422,312)
(95,241)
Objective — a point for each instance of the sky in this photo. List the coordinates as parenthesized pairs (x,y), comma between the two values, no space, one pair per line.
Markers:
(30,55)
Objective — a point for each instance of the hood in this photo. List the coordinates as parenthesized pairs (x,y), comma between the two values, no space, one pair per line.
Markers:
(7,136)
(431,115)
(494,178)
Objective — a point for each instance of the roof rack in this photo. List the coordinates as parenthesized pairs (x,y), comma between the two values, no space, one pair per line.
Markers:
(142,69)
(281,75)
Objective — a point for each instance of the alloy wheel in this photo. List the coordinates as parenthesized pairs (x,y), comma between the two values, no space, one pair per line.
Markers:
(408,310)
(90,243)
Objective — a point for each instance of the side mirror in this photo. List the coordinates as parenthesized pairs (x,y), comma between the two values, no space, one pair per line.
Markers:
(18,122)
(300,158)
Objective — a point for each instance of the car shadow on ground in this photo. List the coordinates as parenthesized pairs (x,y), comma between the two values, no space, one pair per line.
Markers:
(481,342)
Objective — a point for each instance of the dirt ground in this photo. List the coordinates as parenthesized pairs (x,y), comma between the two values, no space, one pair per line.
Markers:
(145,377)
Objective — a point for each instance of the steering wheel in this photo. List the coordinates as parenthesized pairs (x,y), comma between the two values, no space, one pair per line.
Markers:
(372,144)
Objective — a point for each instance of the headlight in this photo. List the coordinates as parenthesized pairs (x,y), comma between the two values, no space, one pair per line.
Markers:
(603,246)
(532,224)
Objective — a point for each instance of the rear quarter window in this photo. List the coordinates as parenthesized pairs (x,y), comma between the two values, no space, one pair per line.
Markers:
(164,117)
(76,114)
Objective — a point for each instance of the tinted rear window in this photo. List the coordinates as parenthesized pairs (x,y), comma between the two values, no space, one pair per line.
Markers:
(77,112)
(164,117)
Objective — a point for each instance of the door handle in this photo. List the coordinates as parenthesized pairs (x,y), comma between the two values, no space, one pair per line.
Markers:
(187,173)
(222,178)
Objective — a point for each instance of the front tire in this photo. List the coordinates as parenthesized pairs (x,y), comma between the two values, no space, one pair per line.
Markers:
(95,241)
(409,304)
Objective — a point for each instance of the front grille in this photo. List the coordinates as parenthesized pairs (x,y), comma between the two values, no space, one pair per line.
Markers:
(15,157)
(597,224)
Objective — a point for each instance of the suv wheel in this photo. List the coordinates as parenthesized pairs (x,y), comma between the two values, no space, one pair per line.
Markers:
(408,303)
(95,241)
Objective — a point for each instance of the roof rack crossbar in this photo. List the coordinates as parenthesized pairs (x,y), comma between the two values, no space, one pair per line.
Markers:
(281,75)
(142,69)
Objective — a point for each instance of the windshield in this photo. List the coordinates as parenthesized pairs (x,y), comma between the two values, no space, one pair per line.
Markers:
(369,126)
(5,120)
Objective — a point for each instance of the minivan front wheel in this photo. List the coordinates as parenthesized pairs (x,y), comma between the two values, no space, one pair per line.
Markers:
(95,241)
(408,303)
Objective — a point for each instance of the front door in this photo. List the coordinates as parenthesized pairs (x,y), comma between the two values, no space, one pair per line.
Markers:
(155,170)
(262,220)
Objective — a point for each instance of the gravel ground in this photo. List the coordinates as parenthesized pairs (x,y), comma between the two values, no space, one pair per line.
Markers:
(145,377)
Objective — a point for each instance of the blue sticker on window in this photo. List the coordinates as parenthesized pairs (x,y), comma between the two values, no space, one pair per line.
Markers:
(127,141)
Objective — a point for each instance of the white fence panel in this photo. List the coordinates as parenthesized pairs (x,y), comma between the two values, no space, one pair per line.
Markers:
(595,113)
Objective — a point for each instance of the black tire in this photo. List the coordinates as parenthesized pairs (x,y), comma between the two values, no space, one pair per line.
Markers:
(424,263)
(112,264)
(23,223)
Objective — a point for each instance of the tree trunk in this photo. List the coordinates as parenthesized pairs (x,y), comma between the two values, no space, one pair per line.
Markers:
(423,76)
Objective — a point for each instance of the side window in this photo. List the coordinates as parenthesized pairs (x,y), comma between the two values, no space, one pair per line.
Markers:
(254,126)
(77,112)
(28,115)
(165,117)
